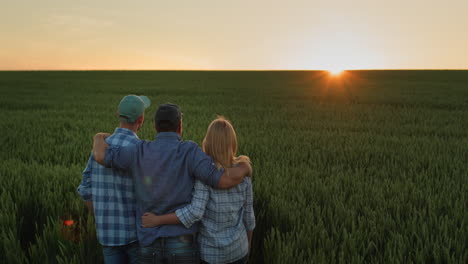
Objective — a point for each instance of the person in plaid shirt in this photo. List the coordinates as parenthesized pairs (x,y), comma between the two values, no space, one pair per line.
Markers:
(227,216)
(109,193)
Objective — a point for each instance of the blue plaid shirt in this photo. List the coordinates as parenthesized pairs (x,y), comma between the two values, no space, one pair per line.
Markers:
(225,216)
(112,193)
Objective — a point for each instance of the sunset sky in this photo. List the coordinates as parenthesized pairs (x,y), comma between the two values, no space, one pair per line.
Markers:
(218,35)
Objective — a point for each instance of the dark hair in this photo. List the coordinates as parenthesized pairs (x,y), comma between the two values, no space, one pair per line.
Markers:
(166,126)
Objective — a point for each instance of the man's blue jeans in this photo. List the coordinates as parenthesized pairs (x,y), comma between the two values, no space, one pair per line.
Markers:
(168,250)
(121,254)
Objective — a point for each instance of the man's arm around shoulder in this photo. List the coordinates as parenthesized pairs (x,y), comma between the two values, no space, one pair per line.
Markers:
(205,170)
(233,176)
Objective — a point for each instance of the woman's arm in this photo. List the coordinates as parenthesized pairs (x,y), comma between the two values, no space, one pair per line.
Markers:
(152,220)
(187,215)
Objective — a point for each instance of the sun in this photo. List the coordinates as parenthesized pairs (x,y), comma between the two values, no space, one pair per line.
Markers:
(335,71)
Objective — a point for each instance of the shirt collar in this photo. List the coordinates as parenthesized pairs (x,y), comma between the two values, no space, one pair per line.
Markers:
(125,131)
(168,135)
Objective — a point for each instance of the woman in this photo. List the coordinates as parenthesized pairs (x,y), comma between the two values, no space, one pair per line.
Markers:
(227,216)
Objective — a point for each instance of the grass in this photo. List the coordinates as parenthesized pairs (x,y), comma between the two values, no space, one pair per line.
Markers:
(366,167)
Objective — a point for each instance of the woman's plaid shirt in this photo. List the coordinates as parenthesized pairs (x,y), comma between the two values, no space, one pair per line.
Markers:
(225,217)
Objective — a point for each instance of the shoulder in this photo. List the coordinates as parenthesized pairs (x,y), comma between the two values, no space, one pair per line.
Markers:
(139,142)
(134,140)
(190,147)
(123,140)
(114,139)
(129,142)
(189,144)
(134,146)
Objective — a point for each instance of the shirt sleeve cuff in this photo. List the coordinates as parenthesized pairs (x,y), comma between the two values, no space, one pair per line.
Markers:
(250,226)
(183,217)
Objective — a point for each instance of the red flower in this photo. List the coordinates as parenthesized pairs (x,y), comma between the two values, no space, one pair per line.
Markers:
(68,222)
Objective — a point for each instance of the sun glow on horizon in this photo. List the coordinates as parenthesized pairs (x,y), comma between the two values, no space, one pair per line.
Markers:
(335,71)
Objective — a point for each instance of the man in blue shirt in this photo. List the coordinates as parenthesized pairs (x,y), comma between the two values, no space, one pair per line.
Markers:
(164,171)
(109,193)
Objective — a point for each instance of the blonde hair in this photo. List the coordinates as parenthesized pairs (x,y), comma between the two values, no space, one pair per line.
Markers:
(220,143)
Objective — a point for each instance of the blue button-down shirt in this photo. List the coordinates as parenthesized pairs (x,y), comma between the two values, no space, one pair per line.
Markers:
(112,193)
(164,172)
(225,217)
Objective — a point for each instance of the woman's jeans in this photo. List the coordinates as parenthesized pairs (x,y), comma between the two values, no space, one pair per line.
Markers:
(180,249)
(121,254)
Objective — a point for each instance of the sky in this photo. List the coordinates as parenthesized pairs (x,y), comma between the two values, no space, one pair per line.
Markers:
(233,35)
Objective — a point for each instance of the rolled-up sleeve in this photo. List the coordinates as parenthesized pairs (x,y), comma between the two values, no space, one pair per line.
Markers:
(194,212)
(84,189)
(249,215)
(118,157)
(204,169)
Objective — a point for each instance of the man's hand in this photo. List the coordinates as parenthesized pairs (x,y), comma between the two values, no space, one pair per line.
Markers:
(102,134)
(99,147)
(247,167)
(151,220)
(233,176)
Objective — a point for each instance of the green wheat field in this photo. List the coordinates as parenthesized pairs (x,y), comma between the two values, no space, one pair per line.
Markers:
(366,167)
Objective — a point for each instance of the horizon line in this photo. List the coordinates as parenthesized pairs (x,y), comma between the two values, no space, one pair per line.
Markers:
(238,70)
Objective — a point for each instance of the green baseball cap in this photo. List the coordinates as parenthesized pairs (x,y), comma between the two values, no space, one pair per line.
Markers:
(132,107)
